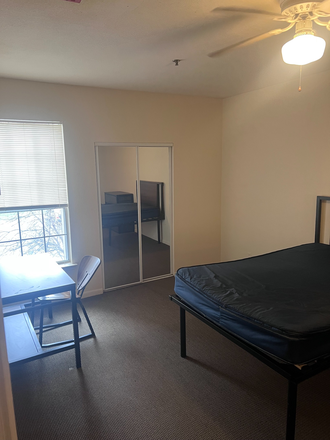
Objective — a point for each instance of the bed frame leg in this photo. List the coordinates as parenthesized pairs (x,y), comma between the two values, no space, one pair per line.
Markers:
(183,332)
(291,411)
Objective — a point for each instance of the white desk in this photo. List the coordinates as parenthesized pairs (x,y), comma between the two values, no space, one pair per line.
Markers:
(25,278)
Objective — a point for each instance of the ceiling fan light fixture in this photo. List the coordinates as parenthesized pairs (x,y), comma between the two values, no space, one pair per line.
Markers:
(303,49)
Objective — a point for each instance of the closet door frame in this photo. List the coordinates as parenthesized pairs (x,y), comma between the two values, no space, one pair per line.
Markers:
(170,215)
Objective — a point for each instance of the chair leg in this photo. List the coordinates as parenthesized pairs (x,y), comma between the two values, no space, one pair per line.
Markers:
(41,324)
(87,318)
(44,328)
(50,313)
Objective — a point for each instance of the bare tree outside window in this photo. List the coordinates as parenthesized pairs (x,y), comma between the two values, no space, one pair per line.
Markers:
(35,231)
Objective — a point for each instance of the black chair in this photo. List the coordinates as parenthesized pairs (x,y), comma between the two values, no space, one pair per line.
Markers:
(87,268)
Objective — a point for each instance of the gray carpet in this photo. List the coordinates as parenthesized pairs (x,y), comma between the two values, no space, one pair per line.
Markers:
(134,385)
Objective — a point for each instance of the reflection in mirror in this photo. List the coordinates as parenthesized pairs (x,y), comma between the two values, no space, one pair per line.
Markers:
(136,243)
(154,175)
(117,174)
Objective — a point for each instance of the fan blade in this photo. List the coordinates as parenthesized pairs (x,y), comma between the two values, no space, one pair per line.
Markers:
(246,11)
(246,42)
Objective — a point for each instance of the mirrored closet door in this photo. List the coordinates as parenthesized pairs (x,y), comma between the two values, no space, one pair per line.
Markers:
(134,184)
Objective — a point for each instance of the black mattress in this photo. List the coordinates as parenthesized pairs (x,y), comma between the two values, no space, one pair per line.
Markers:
(278,302)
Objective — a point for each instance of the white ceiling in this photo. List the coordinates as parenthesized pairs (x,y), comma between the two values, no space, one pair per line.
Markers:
(130,44)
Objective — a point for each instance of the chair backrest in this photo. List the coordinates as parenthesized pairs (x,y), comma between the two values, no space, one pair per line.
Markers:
(87,267)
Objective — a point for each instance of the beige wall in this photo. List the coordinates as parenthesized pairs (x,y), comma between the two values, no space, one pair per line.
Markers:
(89,115)
(275,157)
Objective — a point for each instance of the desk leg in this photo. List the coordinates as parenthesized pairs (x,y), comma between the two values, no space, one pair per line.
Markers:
(33,301)
(75,328)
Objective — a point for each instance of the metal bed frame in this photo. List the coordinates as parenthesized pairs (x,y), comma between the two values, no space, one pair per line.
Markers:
(290,372)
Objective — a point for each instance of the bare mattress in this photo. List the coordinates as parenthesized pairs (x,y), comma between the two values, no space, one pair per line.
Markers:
(278,302)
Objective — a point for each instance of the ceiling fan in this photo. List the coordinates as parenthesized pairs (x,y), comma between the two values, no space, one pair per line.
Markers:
(305,47)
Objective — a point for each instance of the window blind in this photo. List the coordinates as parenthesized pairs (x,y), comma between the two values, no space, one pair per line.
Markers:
(32,165)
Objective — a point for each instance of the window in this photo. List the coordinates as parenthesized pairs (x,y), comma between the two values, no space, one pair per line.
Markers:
(33,190)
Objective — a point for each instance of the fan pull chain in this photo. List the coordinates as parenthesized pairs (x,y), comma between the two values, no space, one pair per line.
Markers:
(299,88)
